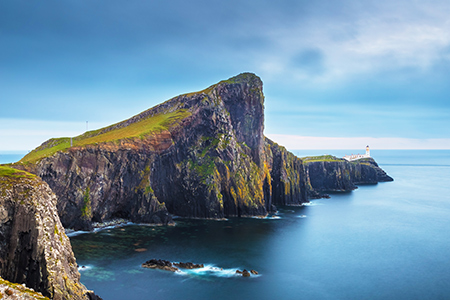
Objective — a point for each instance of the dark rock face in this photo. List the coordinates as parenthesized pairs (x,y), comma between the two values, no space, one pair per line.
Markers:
(343,175)
(33,246)
(287,176)
(102,183)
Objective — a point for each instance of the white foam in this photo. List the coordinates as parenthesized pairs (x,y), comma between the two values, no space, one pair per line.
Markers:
(84,268)
(211,270)
(75,233)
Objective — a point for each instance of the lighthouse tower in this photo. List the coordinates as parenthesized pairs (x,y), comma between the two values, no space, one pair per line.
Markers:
(367,151)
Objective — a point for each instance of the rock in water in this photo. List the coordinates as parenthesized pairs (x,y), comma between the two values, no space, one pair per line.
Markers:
(34,248)
(160,264)
(188,265)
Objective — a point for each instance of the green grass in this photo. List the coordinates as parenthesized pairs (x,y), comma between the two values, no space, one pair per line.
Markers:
(140,129)
(309,159)
(13,173)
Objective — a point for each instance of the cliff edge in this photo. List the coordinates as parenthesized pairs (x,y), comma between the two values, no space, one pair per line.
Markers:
(331,174)
(34,249)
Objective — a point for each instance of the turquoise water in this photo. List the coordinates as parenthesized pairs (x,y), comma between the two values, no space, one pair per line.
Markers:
(385,241)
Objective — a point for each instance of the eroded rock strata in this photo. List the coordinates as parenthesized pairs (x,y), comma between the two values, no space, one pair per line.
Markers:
(198,155)
(339,175)
(34,249)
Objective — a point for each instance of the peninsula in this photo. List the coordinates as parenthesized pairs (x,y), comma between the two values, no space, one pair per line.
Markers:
(197,155)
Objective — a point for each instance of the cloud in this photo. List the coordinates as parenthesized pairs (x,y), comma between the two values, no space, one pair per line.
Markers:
(296,142)
(310,61)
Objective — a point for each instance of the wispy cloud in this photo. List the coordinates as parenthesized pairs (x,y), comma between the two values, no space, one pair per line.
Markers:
(296,142)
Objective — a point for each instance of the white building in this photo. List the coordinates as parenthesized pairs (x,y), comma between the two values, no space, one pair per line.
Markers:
(358,156)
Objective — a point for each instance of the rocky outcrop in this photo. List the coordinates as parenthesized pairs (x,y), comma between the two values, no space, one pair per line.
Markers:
(331,175)
(34,249)
(166,265)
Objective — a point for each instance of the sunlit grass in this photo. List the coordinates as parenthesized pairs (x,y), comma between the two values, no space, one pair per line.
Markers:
(140,129)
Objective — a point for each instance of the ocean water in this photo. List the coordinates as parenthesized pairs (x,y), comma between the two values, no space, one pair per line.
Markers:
(10,157)
(384,241)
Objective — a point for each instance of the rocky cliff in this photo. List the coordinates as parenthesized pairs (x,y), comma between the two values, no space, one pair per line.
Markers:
(329,173)
(34,249)
(200,155)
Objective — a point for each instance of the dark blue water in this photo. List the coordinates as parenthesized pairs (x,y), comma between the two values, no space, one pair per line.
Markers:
(385,241)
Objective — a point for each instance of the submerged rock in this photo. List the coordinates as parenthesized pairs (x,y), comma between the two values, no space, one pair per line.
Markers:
(160,264)
(188,265)
(246,273)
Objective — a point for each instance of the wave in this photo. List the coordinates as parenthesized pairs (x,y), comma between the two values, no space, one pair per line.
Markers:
(211,271)
(84,268)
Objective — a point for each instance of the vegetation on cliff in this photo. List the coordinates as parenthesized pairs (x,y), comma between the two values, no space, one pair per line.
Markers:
(141,128)
(9,290)
(309,159)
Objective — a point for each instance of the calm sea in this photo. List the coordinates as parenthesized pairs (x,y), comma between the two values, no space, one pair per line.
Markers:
(384,241)
(10,157)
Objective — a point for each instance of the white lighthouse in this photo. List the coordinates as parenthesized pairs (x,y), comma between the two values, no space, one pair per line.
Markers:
(358,156)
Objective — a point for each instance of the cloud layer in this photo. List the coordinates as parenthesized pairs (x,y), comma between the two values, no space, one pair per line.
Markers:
(331,68)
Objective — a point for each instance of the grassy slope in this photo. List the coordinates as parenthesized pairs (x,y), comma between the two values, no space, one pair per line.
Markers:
(309,159)
(13,173)
(140,129)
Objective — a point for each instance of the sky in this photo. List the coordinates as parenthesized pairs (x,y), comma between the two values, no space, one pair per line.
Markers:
(337,74)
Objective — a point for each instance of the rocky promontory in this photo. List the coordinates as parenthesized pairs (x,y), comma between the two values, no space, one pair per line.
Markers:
(34,249)
(198,155)
(331,174)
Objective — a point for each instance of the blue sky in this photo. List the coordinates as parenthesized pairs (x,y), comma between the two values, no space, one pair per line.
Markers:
(337,74)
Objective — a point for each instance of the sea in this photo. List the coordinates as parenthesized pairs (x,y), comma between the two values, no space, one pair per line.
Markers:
(385,241)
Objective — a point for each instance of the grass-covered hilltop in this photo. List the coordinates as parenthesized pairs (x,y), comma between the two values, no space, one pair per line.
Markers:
(201,155)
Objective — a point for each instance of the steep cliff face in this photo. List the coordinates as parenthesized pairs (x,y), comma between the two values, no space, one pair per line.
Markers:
(287,175)
(334,174)
(33,246)
(199,155)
